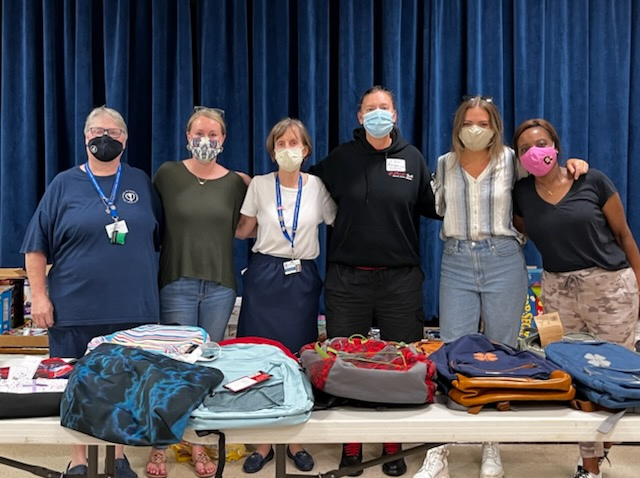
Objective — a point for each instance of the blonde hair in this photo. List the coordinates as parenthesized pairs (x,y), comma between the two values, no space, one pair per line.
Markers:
(211,113)
(281,127)
(495,123)
(104,111)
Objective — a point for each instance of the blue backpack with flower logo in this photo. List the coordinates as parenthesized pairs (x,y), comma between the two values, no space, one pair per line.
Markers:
(606,373)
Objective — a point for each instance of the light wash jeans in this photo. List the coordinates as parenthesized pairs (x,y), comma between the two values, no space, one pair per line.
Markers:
(482,279)
(197,302)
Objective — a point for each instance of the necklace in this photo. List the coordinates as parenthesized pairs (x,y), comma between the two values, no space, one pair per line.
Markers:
(548,191)
(201,181)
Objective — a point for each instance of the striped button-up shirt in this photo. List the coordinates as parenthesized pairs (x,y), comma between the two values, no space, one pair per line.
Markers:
(477,208)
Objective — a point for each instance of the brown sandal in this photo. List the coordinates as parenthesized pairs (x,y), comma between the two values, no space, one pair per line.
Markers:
(158,459)
(203,459)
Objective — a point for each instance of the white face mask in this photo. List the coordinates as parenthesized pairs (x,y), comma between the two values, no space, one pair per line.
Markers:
(289,159)
(475,138)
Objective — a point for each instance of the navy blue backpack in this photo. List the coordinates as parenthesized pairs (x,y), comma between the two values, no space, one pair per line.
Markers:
(474,371)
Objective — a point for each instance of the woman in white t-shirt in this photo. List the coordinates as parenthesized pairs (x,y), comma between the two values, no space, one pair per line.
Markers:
(281,287)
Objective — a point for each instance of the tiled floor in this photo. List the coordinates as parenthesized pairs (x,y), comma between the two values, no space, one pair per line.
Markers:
(520,461)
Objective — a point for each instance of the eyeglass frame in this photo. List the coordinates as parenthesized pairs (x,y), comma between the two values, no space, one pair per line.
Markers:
(488,99)
(220,111)
(106,131)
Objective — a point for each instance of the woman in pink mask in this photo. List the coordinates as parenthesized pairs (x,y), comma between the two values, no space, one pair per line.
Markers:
(590,259)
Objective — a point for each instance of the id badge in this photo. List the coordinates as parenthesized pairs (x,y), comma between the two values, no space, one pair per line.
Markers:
(117,232)
(292,267)
(396,165)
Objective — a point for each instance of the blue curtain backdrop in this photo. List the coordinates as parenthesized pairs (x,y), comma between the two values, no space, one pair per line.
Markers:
(574,62)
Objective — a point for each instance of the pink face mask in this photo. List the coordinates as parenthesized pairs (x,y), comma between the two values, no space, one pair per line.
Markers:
(539,161)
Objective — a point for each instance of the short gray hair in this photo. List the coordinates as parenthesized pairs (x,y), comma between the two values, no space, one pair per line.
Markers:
(105,111)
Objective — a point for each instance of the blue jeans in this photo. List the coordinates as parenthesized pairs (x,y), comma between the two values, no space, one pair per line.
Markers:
(482,279)
(197,302)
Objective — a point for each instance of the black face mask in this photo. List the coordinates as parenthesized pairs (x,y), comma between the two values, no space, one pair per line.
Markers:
(105,148)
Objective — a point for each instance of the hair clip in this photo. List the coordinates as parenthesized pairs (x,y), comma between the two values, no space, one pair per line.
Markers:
(488,99)
(220,111)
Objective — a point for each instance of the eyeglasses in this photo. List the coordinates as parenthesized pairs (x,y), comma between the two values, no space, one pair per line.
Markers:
(488,99)
(220,111)
(111,132)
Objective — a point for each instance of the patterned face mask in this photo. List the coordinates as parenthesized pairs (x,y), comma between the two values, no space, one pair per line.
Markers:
(203,149)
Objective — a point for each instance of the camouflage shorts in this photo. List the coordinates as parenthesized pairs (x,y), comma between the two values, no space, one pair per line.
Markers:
(601,302)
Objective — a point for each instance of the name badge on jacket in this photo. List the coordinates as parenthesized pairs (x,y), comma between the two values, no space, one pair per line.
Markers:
(398,165)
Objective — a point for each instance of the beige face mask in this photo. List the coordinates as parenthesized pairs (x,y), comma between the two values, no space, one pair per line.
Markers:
(289,159)
(475,138)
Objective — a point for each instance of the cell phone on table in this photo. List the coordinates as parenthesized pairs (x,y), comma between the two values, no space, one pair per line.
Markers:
(247,381)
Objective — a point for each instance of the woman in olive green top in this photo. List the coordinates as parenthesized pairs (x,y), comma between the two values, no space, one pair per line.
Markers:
(202,202)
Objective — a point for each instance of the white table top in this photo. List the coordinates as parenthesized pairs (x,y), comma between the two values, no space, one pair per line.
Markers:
(434,423)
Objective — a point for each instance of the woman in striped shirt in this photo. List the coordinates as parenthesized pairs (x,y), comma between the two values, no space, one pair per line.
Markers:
(483,277)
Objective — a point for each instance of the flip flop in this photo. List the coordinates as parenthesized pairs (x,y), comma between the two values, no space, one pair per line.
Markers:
(157,458)
(203,459)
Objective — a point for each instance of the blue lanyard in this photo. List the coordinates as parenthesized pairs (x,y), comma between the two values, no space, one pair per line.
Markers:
(108,203)
(296,211)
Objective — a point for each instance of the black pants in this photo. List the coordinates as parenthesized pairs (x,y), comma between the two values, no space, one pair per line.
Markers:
(390,299)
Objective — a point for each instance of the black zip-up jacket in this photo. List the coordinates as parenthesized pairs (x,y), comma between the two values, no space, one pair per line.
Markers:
(380,197)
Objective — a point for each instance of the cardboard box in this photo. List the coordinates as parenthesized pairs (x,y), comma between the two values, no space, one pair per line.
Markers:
(24,344)
(15,277)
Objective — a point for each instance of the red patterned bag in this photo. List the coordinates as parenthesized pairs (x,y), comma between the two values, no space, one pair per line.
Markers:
(370,369)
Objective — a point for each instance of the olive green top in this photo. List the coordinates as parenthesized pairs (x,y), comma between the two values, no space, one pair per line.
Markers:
(200,223)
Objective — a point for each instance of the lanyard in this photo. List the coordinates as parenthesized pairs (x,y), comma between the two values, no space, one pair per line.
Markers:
(108,203)
(296,211)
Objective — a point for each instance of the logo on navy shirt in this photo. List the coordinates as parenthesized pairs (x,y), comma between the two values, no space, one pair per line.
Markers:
(129,196)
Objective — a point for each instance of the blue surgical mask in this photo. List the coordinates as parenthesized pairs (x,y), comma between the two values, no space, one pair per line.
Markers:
(378,123)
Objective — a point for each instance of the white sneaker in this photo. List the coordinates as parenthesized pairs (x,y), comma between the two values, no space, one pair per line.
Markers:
(601,460)
(435,464)
(491,462)
(582,473)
